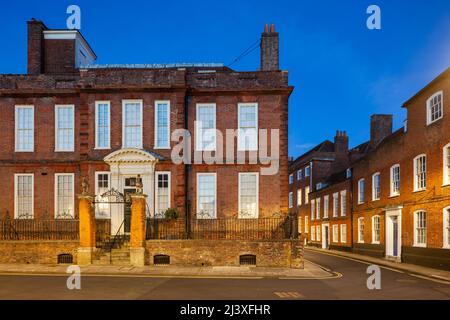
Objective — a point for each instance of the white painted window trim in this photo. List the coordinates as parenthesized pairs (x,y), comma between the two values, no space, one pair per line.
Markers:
(335,204)
(318,233)
(215,192)
(299,175)
(256,174)
(124,102)
(255,104)
(318,204)
(373,229)
(391,184)
(169,186)
(56,193)
(16,200)
(291,200)
(307,171)
(156,125)
(326,206)
(361,219)
(291,178)
(97,103)
(429,107)
(56,127)
(415,243)
(335,230)
(306,195)
(313,209)
(446,213)
(198,129)
(299,197)
(97,191)
(445,161)
(313,233)
(16,128)
(376,174)
(343,234)
(306,224)
(415,188)
(343,204)
(361,191)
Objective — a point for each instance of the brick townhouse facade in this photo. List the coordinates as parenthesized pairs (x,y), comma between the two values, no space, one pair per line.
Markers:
(69,119)
(395,186)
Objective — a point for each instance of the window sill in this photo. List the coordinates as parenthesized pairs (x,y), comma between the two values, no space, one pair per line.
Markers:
(447,184)
(419,245)
(394,195)
(102,148)
(373,200)
(23,151)
(168,148)
(375,242)
(434,121)
(419,190)
(64,150)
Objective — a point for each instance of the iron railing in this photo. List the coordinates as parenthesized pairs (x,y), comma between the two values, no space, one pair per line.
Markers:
(222,229)
(31,229)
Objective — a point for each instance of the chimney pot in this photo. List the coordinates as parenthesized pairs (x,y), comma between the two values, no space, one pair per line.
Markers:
(266,28)
(272,27)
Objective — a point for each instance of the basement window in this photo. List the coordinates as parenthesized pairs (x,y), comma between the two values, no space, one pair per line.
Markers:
(247,260)
(65,258)
(161,259)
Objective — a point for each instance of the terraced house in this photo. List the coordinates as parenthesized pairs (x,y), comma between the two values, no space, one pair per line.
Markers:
(70,120)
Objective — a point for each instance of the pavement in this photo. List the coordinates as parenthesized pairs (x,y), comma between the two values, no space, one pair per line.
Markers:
(310,271)
(406,267)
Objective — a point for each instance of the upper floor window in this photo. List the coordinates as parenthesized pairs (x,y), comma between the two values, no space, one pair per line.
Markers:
(335,204)
(162,124)
(64,196)
(299,197)
(376,229)
(299,175)
(307,171)
(420,172)
(361,191)
(24,128)
(247,126)
(206,195)
(291,199)
(162,195)
(420,228)
(434,107)
(23,199)
(376,188)
(205,127)
(102,124)
(313,209)
(343,203)
(326,204)
(102,185)
(395,180)
(306,195)
(64,128)
(348,173)
(446,162)
(318,200)
(361,230)
(132,123)
(291,178)
(446,220)
(248,194)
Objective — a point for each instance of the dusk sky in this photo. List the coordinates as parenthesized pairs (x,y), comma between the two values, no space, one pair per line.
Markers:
(342,71)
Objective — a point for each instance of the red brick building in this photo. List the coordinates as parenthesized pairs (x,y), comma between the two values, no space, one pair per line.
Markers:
(69,118)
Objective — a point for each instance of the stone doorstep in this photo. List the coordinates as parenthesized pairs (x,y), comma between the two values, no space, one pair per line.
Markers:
(416,269)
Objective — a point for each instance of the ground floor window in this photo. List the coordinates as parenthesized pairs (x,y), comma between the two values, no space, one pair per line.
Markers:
(23,198)
(376,229)
(64,196)
(306,224)
(162,196)
(248,195)
(206,195)
(447,227)
(361,230)
(420,228)
(102,184)
(313,233)
(319,238)
(335,233)
(343,233)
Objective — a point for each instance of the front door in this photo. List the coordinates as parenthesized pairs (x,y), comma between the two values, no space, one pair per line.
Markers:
(325,235)
(393,234)
(129,188)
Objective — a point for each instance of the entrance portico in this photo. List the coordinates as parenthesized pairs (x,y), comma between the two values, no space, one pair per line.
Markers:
(125,165)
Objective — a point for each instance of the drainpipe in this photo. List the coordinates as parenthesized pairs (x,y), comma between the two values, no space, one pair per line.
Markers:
(187,169)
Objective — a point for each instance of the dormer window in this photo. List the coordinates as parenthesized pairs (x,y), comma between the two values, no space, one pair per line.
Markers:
(434,107)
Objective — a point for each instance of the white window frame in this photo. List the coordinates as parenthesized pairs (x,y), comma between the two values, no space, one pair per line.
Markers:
(215,193)
(199,130)
(56,193)
(256,174)
(299,174)
(291,199)
(416,173)
(318,233)
(16,198)
(361,223)
(56,127)
(306,195)
(291,178)
(299,197)
(335,237)
(318,202)
(343,203)
(313,209)
(416,243)
(394,193)
(446,225)
(97,103)
(167,146)
(374,241)
(446,163)
(255,104)
(124,102)
(307,171)
(306,224)
(343,232)
(335,204)
(313,233)
(169,186)
(97,192)
(429,121)
(326,205)
(361,191)
(16,129)
(375,196)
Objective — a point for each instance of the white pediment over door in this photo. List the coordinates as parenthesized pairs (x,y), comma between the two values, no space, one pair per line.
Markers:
(131,156)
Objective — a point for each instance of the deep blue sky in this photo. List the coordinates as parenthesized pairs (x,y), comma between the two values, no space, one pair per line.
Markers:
(342,72)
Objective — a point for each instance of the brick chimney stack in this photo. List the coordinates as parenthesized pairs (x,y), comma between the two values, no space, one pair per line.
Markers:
(269,49)
(380,128)
(35,47)
(341,143)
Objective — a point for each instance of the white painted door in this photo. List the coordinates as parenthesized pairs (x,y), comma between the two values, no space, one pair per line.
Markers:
(325,236)
(393,234)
